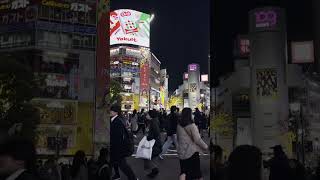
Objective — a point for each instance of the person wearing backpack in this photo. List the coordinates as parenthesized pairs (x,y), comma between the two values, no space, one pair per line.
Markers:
(103,170)
(120,145)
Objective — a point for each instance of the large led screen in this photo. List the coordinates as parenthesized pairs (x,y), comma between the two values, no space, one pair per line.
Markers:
(130,27)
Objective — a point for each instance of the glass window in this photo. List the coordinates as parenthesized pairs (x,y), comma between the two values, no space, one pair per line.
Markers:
(44,12)
(58,14)
(92,18)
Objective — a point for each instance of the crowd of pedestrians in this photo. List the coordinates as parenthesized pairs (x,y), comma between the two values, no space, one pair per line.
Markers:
(182,131)
(246,162)
(18,158)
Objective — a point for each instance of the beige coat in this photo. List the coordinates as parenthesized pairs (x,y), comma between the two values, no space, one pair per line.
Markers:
(189,141)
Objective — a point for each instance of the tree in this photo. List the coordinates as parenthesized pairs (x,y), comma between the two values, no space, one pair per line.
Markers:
(222,124)
(115,92)
(175,101)
(17,88)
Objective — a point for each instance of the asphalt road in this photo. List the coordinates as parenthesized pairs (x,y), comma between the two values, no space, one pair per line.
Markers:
(169,167)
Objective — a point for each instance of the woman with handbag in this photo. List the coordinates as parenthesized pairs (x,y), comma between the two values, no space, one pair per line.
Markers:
(153,133)
(190,146)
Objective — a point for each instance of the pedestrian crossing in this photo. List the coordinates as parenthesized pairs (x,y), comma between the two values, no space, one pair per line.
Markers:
(170,153)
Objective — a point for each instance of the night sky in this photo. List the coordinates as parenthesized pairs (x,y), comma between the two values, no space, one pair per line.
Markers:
(230,18)
(179,33)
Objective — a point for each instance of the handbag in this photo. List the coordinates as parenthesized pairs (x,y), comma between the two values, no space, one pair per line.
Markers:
(144,150)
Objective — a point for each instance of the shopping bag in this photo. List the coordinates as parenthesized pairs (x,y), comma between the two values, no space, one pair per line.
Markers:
(144,150)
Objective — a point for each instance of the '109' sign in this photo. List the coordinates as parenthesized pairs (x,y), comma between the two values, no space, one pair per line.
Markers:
(266,18)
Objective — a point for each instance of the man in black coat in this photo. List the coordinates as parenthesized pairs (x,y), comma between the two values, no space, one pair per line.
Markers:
(171,131)
(117,145)
(17,160)
(279,165)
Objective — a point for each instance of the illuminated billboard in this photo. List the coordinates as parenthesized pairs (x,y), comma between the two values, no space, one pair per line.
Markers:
(302,52)
(204,78)
(130,27)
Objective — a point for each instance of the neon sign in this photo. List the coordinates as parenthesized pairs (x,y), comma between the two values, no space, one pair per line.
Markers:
(266,18)
(192,67)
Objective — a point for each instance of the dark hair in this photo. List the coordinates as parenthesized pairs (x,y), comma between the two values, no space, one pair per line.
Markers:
(142,110)
(134,112)
(103,156)
(79,160)
(186,117)
(173,109)
(116,108)
(20,149)
(245,163)
(216,151)
(153,113)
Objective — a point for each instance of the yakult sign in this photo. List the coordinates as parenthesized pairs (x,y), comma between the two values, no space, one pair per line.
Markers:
(130,27)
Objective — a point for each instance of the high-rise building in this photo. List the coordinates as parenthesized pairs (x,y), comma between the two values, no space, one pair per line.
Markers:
(57,40)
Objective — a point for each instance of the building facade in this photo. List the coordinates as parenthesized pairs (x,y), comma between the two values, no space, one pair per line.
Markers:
(57,40)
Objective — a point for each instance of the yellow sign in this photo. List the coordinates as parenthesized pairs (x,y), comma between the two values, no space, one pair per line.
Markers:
(55,4)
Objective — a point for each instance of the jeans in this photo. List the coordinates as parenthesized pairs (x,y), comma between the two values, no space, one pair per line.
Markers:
(125,168)
(168,143)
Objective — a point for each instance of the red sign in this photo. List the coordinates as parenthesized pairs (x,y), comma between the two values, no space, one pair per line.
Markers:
(144,84)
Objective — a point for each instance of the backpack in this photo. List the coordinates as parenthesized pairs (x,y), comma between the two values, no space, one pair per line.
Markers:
(128,142)
(103,172)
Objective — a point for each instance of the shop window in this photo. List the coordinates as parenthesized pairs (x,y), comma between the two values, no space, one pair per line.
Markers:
(51,14)
(92,18)
(58,14)
(82,17)
(44,12)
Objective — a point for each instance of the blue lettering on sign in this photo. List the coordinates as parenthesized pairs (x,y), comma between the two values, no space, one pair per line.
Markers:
(65,27)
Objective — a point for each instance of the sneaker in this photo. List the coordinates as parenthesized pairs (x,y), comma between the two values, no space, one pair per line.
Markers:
(116,177)
(154,173)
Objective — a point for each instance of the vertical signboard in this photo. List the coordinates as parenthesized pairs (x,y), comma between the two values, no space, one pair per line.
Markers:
(144,78)
(101,125)
(267,83)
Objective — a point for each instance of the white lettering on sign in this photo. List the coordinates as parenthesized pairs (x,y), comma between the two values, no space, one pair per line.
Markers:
(80,7)
(17,4)
(127,39)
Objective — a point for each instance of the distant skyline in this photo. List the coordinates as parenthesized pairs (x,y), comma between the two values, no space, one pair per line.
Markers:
(179,33)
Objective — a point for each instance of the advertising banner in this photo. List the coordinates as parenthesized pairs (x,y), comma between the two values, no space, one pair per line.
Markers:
(56,111)
(101,125)
(130,27)
(144,78)
(47,135)
(266,19)
(267,83)
(302,52)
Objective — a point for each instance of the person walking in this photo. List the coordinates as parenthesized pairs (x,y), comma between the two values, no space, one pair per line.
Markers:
(50,170)
(141,122)
(79,169)
(153,132)
(245,162)
(118,146)
(190,146)
(134,122)
(103,171)
(18,160)
(171,131)
(217,171)
(279,165)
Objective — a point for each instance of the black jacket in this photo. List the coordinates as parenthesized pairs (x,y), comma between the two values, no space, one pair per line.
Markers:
(117,130)
(172,124)
(154,133)
(280,168)
(26,176)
